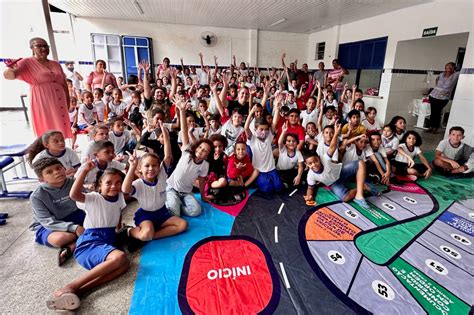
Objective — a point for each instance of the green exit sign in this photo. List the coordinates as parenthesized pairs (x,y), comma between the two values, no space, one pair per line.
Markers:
(430,31)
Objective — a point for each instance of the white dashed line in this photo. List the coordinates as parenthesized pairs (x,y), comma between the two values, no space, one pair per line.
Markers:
(276,234)
(293,192)
(285,278)
(281,208)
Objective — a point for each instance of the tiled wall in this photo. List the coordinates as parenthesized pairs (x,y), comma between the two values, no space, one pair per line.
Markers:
(462,113)
(404,88)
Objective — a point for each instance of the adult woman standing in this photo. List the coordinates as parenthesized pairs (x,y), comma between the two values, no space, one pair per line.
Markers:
(441,94)
(49,94)
(100,78)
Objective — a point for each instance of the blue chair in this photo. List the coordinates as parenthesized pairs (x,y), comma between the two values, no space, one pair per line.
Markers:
(7,162)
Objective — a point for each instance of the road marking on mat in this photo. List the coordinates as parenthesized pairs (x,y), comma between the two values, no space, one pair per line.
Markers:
(276,234)
(281,208)
(285,278)
(293,192)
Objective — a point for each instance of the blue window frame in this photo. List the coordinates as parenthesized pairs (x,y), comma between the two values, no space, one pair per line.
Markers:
(136,49)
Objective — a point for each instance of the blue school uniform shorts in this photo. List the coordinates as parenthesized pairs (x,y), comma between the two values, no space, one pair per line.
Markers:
(41,236)
(94,245)
(269,182)
(158,217)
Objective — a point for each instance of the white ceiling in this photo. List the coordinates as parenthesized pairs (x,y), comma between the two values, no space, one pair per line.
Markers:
(302,16)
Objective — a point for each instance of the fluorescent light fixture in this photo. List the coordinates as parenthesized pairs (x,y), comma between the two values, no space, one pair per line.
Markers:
(277,22)
(138,7)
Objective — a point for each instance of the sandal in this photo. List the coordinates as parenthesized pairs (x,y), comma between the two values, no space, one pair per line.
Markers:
(373,190)
(363,203)
(64,254)
(67,301)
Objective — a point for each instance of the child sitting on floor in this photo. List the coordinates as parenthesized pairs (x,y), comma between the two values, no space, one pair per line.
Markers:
(52,144)
(389,141)
(87,114)
(99,104)
(311,138)
(290,164)
(322,169)
(98,133)
(260,141)
(240,170)
(353,128)
(378,166)
(353,149)
(452,155)
(95,249)
(371,123)
(152,219)
(116,106)
(408,149)
(103,152)
(399,124)
(217,166)
(56,218)
(191,166)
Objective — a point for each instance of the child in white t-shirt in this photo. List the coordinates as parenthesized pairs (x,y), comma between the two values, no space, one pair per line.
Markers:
(191,166)
(152,219)
(389,141)
(260,141)
(290,164)
(96,248)
(378,165)
(408,149)
(99,104)
(452,155)
(371,123)
(87,114)
(353,149)
(322,169)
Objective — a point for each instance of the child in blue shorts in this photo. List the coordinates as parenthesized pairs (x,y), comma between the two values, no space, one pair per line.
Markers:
(56,218)
(323,170)
(152,219)
(95,248)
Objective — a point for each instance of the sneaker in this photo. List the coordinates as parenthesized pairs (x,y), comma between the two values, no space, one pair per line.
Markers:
(3,215)
(363,203)
(374,178)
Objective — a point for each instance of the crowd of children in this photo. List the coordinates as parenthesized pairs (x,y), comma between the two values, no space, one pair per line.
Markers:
(216,131)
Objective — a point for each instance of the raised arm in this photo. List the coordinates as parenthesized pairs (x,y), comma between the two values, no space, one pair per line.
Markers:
(333,145)
(220,107)
(248,132)
(281,140)
(234,62)
(223,94)
(127,187)
(146,83)
(277,104)
(181,105)
(76,193)
(283,55)
(168,157)
(174,75)
(354,87)
(201,60)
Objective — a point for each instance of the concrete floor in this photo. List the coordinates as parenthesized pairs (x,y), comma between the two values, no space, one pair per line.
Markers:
(29,273)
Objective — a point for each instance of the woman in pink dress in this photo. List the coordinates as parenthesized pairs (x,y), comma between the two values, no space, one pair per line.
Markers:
(100,78)
(49,94)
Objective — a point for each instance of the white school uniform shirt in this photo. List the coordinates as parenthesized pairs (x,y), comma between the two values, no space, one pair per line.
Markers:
(291,105)
(372,127)
(91,176)
(151,196)
(329,173)
(72,115)
(346,108)
(214,132)
(448,150)
(351,154)
(102,213)
(232,134)
(286,162)
(182,178)
(262,155)
(369,151)
(334,103)
(119,141)
(100,107)
(85,115)
(202,76)
(119,110)
(322,147)
(87,152)
(411,154)
(309,117)
(68,158)
(197,133)
(390,143)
